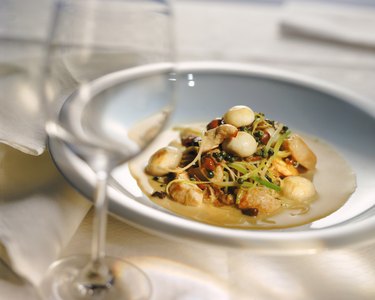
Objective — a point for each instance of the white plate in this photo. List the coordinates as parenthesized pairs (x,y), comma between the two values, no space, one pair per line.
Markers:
(206,90)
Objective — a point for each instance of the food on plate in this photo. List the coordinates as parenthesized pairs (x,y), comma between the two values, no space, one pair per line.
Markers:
(243,160)
(241,170)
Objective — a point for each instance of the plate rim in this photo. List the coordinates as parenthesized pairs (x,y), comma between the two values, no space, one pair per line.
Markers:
(348,95)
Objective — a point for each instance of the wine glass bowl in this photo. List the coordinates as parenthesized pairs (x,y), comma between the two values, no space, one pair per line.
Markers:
(109,90)
(108,123)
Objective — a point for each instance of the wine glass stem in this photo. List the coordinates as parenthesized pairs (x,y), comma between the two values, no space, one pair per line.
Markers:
(100,216)
(97,276)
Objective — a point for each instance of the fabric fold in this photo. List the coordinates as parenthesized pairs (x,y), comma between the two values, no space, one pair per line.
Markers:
(39,212)
(336,23)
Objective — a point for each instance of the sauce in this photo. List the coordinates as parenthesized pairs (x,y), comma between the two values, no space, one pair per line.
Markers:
(333,179)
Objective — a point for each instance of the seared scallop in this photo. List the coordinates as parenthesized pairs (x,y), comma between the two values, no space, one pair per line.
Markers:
(298,188)
(300,151)
(163,161)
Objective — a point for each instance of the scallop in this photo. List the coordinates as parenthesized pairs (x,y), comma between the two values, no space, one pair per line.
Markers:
(184,193)
(298,188)
(239,115)
(300,151)
(163,161)
(259,198)
(243,145)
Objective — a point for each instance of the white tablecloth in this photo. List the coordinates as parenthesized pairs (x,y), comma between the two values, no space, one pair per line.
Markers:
(249,33)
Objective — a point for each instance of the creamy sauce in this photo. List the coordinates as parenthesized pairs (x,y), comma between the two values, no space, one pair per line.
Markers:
(333,179)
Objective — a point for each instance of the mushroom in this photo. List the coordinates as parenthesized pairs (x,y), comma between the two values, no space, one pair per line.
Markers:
(214,137)
(239,115)
(243,145)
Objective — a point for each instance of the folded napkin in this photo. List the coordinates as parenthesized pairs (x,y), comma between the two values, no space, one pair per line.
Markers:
(39,212)
(347,24)
(21,124)
(23,29)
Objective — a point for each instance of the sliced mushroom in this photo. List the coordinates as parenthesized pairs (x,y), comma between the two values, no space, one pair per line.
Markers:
(300,151)
(214,137)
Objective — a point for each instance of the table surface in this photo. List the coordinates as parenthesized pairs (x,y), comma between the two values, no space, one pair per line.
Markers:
(245,32)
(234,274)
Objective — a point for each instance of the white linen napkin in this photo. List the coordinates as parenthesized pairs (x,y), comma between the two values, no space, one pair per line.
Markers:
(21,123)
(23,29)
(39,212)
(348,24)
(249,32)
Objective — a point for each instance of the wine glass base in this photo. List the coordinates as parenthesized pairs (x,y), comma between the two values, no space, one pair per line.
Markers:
(128,281)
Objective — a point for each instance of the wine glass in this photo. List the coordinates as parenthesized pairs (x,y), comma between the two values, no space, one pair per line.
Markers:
(108,89)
